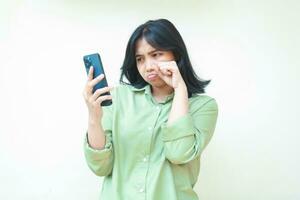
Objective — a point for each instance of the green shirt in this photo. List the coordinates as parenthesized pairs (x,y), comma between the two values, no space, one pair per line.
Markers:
(144,158)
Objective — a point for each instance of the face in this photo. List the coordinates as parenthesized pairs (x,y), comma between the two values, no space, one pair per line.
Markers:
(146,57)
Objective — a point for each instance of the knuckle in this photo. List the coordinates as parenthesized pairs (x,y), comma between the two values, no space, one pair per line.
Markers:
(99,91)
(102,98)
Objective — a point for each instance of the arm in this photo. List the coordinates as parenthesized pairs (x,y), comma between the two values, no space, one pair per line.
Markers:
(187,135)
(180,105)
(100,158)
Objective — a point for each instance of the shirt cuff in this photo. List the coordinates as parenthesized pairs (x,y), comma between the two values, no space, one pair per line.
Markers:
(97,154)
(179,128)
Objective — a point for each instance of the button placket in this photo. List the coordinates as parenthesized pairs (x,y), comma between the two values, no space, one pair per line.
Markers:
(141,190)
(146,158)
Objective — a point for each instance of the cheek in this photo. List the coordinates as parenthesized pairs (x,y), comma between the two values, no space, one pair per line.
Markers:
(169,56)
(140,69)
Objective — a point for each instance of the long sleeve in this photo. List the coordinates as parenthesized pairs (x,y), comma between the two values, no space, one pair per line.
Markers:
(101,161)
(187,136)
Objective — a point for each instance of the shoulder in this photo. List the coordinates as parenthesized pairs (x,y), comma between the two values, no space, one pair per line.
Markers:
(122,88)
(119,94)
(202,102)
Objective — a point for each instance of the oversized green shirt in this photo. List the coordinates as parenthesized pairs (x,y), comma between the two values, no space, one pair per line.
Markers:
(144,158)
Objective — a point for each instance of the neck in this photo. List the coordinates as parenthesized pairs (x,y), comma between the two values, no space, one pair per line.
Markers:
(161,92)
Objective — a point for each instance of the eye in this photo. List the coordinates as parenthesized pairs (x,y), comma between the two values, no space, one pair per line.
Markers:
(139,59)
(157,54)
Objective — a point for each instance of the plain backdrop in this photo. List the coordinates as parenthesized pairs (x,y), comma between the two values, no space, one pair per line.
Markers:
(249,49)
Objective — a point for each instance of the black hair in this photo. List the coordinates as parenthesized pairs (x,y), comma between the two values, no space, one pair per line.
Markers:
(162,35)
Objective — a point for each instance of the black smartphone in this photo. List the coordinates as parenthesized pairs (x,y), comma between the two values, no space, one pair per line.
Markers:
(95,61)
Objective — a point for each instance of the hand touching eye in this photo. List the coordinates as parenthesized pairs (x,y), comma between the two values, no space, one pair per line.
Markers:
(169,72)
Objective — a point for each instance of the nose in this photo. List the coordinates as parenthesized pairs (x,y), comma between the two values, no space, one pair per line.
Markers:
(150,65)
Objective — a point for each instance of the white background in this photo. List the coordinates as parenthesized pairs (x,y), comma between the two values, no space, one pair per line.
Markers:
(250,50)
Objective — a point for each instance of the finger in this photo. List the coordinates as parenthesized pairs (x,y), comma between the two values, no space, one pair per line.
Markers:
(170,63)
(166,71)
(160,74)
(170,68)
(99,92)
(100,99)
(90,84)
(87,92)
(90,75)
(165,63)
(96,80)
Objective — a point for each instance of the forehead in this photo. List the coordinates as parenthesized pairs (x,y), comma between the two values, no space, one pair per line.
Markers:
(142,46)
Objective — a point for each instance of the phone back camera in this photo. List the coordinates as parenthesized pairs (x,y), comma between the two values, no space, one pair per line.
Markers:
(87,62)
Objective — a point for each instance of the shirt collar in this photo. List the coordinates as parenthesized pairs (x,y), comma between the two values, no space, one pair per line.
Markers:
(147,90)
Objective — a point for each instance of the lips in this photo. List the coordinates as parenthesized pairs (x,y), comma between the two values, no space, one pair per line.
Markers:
(151,76)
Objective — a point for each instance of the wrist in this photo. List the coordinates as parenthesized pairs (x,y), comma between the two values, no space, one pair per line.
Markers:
(94,121)
(181,87)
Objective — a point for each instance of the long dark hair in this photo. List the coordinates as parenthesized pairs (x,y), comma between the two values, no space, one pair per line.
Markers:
(162,35)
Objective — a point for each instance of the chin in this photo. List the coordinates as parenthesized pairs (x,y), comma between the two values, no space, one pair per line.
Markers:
(158,84)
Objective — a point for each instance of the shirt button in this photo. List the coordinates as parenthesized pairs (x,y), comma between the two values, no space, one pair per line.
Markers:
(150,128)
(157,107)
(141,190)
(145,159)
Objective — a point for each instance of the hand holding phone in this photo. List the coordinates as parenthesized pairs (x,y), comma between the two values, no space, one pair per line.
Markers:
(95,61)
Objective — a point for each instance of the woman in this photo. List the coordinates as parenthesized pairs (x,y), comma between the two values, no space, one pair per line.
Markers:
(148,143)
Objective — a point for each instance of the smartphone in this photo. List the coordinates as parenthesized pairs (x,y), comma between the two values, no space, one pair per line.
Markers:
(95,61)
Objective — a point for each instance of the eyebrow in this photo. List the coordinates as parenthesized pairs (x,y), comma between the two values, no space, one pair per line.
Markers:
(136,55)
